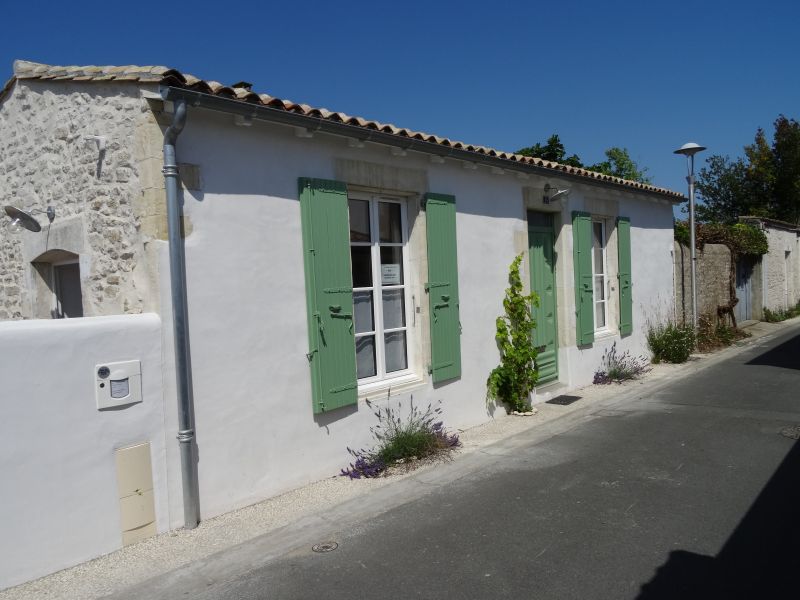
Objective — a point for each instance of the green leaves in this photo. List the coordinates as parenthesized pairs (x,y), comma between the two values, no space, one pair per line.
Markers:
(741,238)
(764,183)
(512,381)
(618,161)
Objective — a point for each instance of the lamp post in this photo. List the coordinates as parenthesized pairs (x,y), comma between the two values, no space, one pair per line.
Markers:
(689,150)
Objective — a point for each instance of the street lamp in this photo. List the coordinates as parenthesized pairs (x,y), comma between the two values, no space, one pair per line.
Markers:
(689,150)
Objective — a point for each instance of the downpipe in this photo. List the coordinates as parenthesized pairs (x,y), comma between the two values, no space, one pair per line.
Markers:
(177,273)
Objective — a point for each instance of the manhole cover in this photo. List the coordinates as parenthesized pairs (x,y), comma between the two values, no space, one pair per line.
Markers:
(563,400)
(792,432)
(325,547)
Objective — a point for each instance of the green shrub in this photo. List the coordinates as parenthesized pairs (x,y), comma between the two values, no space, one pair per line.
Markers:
(670,342)
(776,316)
(712,334)
(513,379)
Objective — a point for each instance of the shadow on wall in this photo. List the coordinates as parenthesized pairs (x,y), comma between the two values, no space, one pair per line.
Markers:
(760,560)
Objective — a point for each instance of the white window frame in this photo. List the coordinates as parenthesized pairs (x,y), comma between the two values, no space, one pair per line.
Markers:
(55,301)
(378,331)
(602,276)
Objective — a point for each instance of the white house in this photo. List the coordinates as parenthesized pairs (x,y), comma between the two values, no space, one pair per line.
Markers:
(780,267)
(328,259)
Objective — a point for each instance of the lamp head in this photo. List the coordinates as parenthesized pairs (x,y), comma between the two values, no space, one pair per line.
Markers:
(690,149)
(553,194)
(21,220)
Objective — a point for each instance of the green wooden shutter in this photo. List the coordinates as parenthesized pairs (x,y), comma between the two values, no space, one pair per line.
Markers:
(625,285)
(329,293)
(442,287)
(584,297)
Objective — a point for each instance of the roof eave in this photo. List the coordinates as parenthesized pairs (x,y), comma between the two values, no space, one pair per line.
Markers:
(365,134)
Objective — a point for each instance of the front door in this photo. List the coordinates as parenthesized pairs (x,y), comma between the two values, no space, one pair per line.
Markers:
(744,272)
(541,242)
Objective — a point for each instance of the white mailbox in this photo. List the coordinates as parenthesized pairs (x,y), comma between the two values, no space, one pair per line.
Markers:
(118,383)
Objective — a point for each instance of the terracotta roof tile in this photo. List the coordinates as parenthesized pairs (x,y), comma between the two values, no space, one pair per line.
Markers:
(171,77)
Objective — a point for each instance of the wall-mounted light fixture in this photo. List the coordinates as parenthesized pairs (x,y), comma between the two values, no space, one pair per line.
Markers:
(553,194)
(21,219)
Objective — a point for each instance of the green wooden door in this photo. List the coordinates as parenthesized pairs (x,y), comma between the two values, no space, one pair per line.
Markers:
(541,242)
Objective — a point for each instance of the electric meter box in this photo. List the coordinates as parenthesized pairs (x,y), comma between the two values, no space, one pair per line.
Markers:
(118,384)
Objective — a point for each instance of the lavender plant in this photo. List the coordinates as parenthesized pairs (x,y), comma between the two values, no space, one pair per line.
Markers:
(616,368)
(420,435)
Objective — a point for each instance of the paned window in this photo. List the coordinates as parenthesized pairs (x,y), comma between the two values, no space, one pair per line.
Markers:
(378,259)
(599,274)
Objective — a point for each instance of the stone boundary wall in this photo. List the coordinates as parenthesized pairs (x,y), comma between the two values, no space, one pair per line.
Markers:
(713,276)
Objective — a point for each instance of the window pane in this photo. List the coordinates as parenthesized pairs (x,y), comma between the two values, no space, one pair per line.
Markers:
(365,356)
(359,221)
(391,265)
(597,245)
(361,262)
(599,315)
(396,351)
(599,288)
(362,312)
(389,219)
(393,309)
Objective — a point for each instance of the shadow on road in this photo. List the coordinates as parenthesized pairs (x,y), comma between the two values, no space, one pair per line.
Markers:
(760,560)
(786,356)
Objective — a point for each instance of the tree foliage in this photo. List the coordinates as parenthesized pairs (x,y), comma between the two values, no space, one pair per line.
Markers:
(618,161)
(763,183)
(741,238)
(552,150)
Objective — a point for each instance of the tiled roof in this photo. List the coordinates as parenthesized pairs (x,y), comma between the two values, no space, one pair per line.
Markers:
(174,78)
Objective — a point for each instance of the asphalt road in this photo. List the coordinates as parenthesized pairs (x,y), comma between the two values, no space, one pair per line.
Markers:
(692,492)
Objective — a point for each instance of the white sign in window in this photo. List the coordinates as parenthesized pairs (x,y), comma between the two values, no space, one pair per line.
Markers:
(390,274)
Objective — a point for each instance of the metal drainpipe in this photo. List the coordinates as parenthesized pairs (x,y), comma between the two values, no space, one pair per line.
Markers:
(180,320)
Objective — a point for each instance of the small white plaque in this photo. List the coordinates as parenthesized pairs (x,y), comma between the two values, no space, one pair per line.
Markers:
(390,274)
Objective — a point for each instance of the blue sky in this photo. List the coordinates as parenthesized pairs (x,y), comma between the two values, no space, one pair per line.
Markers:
(644,75)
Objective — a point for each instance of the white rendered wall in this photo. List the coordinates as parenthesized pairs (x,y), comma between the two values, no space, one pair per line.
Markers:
(781,269)
(256,433)
(60,501)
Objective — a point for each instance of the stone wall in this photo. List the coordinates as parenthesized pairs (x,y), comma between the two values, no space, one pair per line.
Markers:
(102,211)
(713,280)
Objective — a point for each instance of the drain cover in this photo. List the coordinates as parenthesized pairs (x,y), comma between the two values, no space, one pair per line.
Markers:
(563,400)
(792,432)
(325,547)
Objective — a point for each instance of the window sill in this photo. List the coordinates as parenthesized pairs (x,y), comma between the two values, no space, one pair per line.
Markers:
(390,387)
(604,334)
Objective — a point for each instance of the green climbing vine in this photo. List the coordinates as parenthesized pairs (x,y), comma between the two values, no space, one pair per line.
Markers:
(741,238)
(512,381)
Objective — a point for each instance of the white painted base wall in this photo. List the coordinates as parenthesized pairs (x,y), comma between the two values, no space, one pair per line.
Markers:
(60,504)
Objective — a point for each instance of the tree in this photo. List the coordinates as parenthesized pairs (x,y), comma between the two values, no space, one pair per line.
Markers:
(619,163)
(786,157)
(764,183)
(553,150)
(722,188)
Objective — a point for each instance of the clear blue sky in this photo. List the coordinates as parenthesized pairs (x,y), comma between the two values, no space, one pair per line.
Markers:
(648,76)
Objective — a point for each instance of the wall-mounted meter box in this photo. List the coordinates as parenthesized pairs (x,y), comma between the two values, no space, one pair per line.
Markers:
(118,384)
